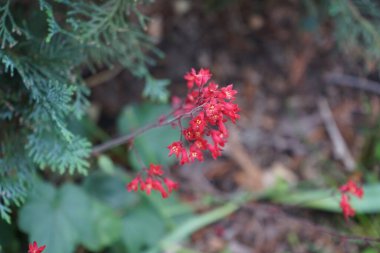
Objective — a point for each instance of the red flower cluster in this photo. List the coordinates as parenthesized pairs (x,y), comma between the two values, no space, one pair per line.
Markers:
(154,181)
(211,107)
(33,248)
(353,189)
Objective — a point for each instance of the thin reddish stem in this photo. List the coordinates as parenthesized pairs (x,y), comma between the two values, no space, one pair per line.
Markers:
(126,138)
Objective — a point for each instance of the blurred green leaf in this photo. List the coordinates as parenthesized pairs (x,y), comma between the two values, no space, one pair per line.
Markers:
(377,151)
(326,200)
(191,225)
(110,189)
(106,164)
(8,239)
(142,227)
(65,217)
(156,90)
(150,146)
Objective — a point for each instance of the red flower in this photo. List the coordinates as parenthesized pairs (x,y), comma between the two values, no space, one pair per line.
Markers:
(195,153)
(215,151)
(158,187)
(353,188)
(189,134)
(218,138)
(349,188)
(175,148)
(134,184)
(201,144)
(33,248)
(155,170)
(184,157)
(198,123)
(208,108)
(222,128)
(228,92)
(199,79)
(147,186)
(171,185)
(348,211)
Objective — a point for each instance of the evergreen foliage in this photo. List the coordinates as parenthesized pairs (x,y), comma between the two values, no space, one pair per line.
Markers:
(44,44)
(355,25)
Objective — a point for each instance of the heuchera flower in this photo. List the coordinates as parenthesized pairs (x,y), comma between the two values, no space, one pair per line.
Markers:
(33,248)
(353,189)
(210,107)
(348,211)
(155,170)
(199,78)
(175,148)
(154,181)
(134,184)
(171,185)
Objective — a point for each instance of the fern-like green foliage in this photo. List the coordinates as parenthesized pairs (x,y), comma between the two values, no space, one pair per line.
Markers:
(44,45)
(355,25)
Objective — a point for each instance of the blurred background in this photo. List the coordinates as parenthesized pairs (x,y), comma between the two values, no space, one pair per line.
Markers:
(307,75)
(292,62)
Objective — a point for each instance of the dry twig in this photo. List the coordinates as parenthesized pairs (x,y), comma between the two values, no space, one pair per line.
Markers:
(353,82)
(340,149)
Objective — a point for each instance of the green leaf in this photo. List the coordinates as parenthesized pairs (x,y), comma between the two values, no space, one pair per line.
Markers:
(142,227)
(110,189)
(190,226)
(106,164)
(65,217)
(150,146)
(156,90)
(49,225)
(327,201)
(8,238)
(103,229)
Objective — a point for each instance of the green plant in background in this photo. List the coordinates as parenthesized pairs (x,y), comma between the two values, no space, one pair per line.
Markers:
(355,25)
(44,45)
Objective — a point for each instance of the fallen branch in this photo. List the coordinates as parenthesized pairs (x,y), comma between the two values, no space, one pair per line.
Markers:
(340,149)
(353,82)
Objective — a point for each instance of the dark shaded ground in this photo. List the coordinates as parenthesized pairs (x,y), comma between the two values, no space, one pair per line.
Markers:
(278,68)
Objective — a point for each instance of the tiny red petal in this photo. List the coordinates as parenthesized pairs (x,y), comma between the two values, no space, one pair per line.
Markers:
(345,205)
(33,248)
(353,188)
(155,170)
(171,185)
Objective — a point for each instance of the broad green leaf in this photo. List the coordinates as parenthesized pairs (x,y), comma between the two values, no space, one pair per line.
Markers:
(142,227)
(150,146)
(326,200)
(103,228)
(49,225)
(110,189)
(66,217)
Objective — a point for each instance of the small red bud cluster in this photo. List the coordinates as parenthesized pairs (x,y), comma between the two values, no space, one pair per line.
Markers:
(353,189)
(209,107)
(154,181)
